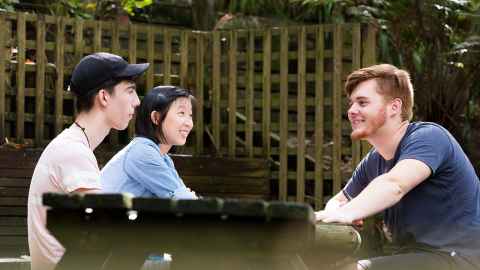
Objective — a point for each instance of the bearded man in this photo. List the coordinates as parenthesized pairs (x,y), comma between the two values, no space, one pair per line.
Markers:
(416,173)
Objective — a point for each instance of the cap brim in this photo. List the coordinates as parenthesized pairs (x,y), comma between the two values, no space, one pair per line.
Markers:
(133,70)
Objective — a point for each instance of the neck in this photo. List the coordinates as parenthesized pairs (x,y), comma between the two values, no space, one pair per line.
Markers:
(95,127)
(387,138)
(164,148)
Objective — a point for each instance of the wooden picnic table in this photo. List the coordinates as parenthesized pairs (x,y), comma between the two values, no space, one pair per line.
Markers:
(115,231)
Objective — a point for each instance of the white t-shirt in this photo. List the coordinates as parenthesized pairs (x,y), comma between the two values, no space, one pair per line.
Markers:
(66,164)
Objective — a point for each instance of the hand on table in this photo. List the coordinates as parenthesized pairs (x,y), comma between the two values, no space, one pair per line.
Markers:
(333,216)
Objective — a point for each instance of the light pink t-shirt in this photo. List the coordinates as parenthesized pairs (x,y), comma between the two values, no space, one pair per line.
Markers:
(66,164)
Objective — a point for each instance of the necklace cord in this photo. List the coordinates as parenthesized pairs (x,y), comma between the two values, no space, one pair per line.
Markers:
(84,133)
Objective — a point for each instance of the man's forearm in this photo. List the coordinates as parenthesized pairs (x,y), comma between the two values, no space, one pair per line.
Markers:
(380,194)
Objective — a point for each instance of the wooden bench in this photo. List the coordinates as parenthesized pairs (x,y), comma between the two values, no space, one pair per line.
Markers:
(115,231)
(219,177)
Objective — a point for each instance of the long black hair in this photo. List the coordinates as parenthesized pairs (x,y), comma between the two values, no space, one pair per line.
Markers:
(158,99)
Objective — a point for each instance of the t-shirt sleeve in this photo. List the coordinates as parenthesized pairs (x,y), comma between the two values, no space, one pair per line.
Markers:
(359,179)
(429,145)
(144,164)
(76,168)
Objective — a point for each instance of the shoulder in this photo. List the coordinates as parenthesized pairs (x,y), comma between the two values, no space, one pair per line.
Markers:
(66,147)
(426,130)
(143,146)
(142,150)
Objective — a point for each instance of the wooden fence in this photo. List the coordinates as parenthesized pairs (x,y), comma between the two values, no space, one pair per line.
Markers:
(275,93)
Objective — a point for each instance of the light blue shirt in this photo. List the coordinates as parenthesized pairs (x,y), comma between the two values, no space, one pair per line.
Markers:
(140,169)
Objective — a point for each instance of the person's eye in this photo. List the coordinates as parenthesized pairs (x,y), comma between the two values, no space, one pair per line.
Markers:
(363,103)
(181,113)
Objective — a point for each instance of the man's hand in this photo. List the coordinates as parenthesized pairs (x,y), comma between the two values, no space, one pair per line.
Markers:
(333,216)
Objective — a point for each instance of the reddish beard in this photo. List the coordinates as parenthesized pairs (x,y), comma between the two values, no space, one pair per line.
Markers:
(372,125)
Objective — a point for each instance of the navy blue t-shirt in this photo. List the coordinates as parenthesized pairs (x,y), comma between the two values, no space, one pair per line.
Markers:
(444,210)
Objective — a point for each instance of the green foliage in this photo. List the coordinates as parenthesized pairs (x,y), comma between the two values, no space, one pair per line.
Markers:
(438,41)
(130,5)
(8,5)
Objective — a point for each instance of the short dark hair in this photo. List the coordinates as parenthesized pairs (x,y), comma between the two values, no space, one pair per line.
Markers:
(158,99)
(85,102)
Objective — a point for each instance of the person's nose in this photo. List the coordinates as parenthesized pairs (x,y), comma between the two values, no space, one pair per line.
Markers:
(189,122)
(136,100)
(352,109)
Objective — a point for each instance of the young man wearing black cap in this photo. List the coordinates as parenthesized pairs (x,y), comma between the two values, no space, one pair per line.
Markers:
(106,98)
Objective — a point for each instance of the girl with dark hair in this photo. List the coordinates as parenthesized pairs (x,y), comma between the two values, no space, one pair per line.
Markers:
(143,168)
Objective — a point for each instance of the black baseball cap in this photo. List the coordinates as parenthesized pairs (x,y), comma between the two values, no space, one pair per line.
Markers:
(94,70)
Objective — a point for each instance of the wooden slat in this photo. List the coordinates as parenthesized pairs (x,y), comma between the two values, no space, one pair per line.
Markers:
(40,82)
(150,56)
(216,97)
(21,36)
(232,93)
(356,59)
(59,60)
(13,241)
(283,114)
(250,94)
(10,230)
(10,181)
(113,136)
(167,56)
(369,58)
(319,117)
(266,95)
(78,51)
(14,211)
(337,108)
(132,59)
(13,201)
(184,38)
(199,89)
(13,191)
(3,82)
(301,115)
(222,167)
(97,36)
(13,221)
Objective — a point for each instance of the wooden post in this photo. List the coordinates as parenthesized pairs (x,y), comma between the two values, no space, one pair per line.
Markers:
(21,39)
(266,99)
(216,83)
(150,56)
(115,50)
(199,92)
(78,52)
(184,59)
(97,36)
(369,58)
(3,45)
(301,114)
(167,56)
(337,107)
(356,58)
(40,81)
(59,54)
(132,59)
(232,94)
(250,89)
(283,172)
(319,115)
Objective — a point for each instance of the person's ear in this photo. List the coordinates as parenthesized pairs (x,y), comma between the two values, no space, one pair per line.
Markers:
(155,117)
(103,97)
(396,106)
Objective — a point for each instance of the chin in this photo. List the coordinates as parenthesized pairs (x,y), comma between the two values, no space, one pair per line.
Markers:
(358,134)
(121,127)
